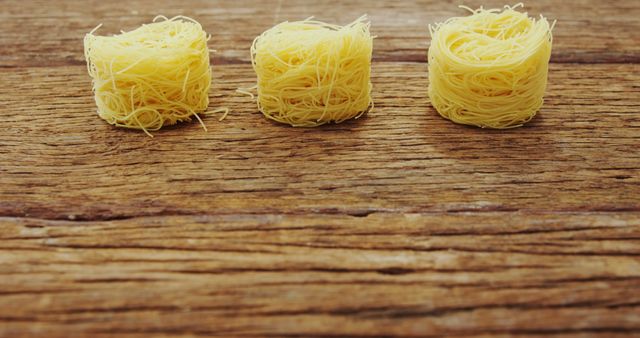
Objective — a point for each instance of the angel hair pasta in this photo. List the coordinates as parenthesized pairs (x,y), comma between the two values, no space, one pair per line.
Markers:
(489,69)
(311,73)
(156,75)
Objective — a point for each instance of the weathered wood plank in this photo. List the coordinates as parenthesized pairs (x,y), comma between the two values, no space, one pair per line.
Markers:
(397,224)
(466,274)
(38,33)
(580,154)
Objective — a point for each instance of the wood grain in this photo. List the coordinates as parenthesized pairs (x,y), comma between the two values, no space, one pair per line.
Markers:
(396,224)
(402,157)
(463,274)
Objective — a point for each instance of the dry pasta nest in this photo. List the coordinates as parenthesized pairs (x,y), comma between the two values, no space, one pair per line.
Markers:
(156,75)
(311,73)
(489,69)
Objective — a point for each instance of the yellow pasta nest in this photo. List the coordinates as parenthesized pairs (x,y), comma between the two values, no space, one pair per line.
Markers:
(156,75)
(311,73)
(489,69)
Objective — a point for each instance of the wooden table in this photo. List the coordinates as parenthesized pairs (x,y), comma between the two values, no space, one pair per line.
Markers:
(399,223)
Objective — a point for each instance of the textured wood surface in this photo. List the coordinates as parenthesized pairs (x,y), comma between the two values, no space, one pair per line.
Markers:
(396,224)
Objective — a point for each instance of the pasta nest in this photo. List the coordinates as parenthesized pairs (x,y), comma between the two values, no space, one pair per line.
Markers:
(156,75)
(489,69)
(311,73)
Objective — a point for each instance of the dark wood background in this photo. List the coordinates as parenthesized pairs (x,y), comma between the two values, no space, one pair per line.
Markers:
(399,223)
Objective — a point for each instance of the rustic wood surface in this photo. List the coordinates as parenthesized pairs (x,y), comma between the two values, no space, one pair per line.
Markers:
(396,224)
